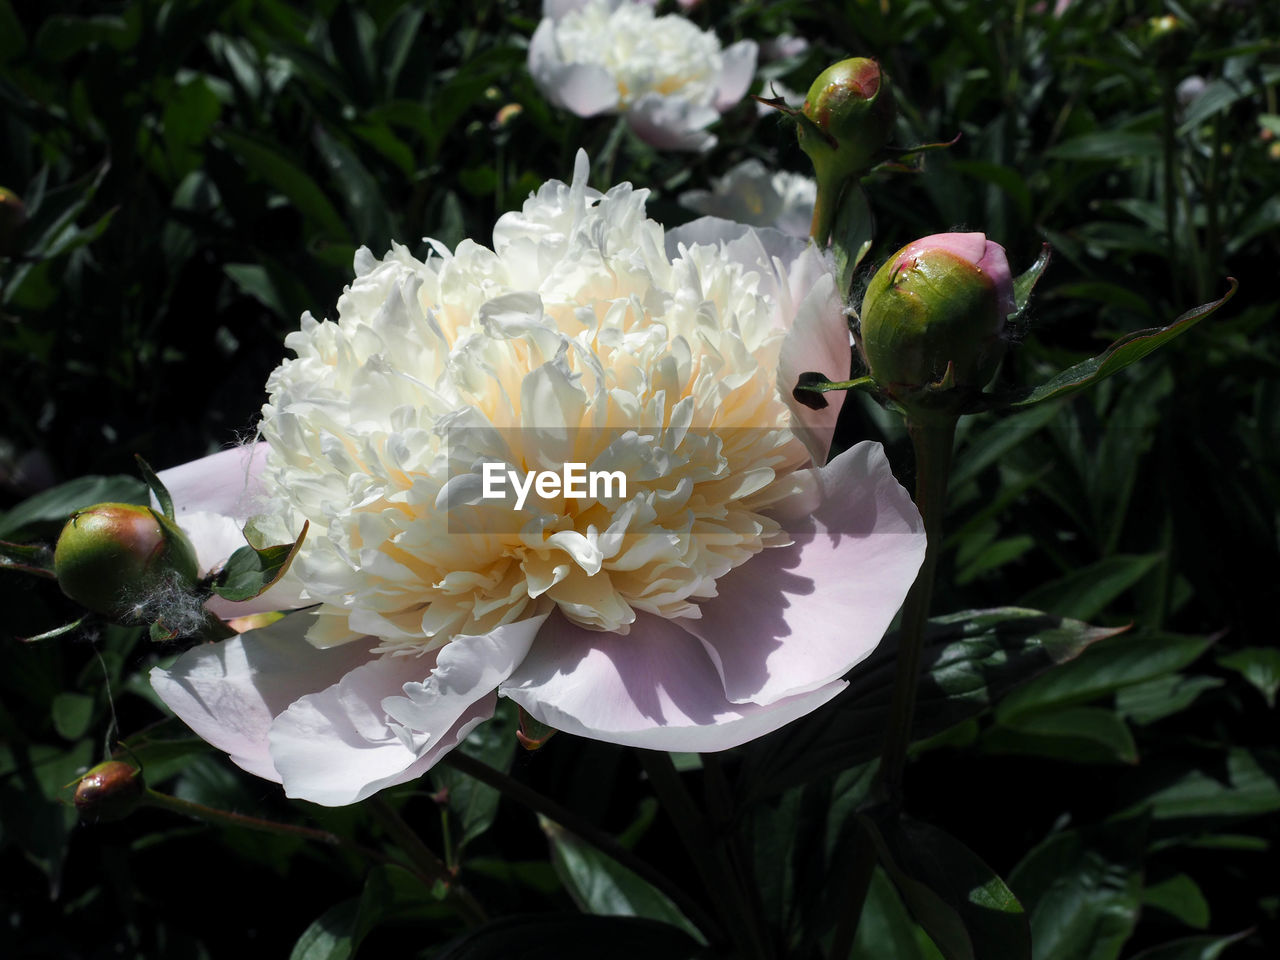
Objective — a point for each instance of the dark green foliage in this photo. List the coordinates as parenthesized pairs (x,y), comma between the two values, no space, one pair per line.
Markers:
(197,175)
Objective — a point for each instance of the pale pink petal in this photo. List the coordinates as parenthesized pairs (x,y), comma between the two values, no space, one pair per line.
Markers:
(653,688)
(792,619)
(818,341)
(338,746)
(736,74)
(224,483)
(670,123)
(229,692)
(388,721)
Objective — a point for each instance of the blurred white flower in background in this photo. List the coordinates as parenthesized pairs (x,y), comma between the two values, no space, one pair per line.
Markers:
(670,79)
(750,194)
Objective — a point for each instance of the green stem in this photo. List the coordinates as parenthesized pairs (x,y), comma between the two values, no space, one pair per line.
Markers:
(517,792)
(427,864)
(933,441)
(718,877)
(1168,103)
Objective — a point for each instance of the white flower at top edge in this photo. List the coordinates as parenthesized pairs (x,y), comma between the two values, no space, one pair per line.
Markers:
(724,596)
(669,78)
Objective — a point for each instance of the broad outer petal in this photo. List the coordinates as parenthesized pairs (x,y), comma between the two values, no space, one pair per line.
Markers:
(230,692)
(585,89)
(390,720)
(792,619)
(670,123)
(212,499)
(653,688)
(736,74)
(818,341)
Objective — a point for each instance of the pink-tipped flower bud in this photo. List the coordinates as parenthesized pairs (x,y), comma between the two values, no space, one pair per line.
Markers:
(113,558)
(110,791)
(939,300)
(852,109)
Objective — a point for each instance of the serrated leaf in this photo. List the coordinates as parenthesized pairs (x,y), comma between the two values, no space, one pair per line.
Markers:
(251,572)
(1128,350)
(602,886)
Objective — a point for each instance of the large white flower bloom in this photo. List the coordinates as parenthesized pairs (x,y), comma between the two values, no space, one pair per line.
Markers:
(750,194)
(669,78)
(722,597)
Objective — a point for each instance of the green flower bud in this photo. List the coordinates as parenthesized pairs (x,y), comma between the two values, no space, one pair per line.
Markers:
(852,111)
(115,557)
(939,301)
(110,791)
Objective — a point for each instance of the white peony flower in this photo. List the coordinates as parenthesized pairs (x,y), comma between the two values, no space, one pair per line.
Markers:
(721,597)
(750,194)
(669,78)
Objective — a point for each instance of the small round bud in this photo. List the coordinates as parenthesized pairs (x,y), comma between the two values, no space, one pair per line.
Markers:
(110,791)
(13,215)
(853,110)
(112,557)
(1169,41)
(939,301)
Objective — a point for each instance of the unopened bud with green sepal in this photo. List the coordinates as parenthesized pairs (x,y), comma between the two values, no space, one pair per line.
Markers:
(113,558)
(936,310)
(851,112)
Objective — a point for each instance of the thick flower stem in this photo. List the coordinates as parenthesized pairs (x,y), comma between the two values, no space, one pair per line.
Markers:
(933,441)
(710,859)
(517,792)
(427,864)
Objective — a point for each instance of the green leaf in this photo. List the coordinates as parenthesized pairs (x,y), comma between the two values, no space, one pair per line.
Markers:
(361,195)
(1260,666)
(1248,785)
(72,714)
(851,235)
(156,487)
(600,885)
(969,661)
(1078,734)
(1088,591)
(473,805)
(1111,145)
(1024,283)
(1180,897)
(331,936)
(885,929)
(33,558)
(55,506)
(571,937)
(1081,890)
(1128,350)
(1104,668)
(251,572)
(1192,948)
(1160,697)
(968,911)
(56,631)
(272,165)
